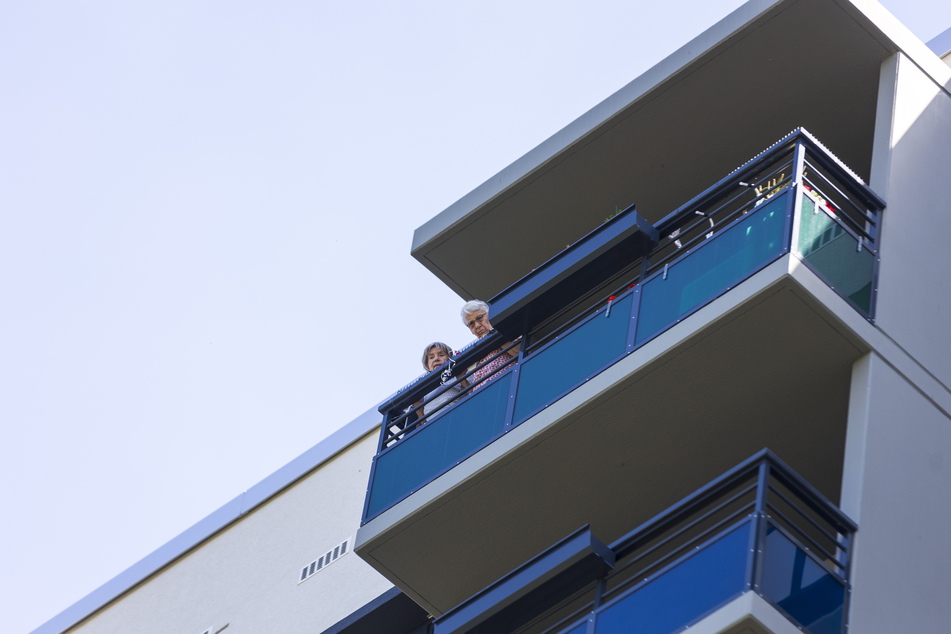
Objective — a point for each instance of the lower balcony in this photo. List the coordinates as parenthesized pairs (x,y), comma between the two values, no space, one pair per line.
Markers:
(736,331)
(758,529)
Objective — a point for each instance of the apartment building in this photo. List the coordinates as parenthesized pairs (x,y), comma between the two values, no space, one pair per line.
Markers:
(727,403)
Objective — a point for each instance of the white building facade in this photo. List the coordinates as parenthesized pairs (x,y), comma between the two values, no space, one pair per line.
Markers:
(729,408)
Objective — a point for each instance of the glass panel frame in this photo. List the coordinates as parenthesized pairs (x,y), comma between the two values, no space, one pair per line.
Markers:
(807,606)
(461,431)
(702,274)
(831,251)
(539,384)
(728,548)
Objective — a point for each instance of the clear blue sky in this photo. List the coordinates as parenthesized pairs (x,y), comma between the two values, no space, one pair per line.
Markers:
(206,209)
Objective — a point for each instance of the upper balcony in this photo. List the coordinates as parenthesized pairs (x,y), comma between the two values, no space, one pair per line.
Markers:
(651,359)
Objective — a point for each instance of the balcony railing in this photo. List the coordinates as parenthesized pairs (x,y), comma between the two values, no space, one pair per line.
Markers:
(759,527)
(794,197)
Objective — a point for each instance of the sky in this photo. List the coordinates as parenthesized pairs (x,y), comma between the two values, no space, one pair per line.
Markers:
(206,213)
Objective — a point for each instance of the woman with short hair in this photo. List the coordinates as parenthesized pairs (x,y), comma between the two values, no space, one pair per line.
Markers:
(435,355)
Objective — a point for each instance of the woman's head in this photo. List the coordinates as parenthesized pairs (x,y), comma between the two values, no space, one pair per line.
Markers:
(435,354)
(475,315)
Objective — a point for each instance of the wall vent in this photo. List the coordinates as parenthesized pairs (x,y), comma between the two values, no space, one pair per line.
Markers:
(324,560)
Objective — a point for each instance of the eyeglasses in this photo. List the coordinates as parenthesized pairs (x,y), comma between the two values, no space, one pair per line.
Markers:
(478,319)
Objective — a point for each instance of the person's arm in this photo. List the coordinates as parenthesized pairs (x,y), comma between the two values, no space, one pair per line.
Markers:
(418,409)
(459,371)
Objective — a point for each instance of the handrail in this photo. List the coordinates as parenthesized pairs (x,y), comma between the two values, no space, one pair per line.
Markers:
(820,153)
(625,237)
(663,521)
(426,383)
(402,423)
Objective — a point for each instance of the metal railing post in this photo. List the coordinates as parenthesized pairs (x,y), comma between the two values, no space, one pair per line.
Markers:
(758,529)
(799,167)
(513,388)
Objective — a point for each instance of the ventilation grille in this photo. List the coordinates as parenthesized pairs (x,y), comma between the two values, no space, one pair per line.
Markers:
(324,560)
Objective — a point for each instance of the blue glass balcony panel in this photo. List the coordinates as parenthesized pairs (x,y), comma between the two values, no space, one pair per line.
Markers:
(574,357)
(800,586)
(835,254)
(685,593)
(439,445)
(715,266)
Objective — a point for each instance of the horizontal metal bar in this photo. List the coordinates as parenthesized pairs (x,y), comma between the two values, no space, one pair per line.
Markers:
(406,429)
(616,593)
(732,517)
(833,537)
(665,520)
(693,523)
(742,173)
(829,161)
(550,339)
(815,500)
(575,615)
(861,211)
(812,555)
(816,546)
(844,220)
(426,383)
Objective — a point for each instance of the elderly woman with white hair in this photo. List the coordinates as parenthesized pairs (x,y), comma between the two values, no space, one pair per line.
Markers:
(475,315)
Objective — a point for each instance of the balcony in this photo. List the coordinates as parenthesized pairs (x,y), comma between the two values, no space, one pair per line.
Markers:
(758,528)
(642,348)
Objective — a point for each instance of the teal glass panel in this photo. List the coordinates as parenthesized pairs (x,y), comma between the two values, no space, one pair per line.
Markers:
(685,593)
(833,253)
(720,262)
(576,356)
(438,445)
(804,589)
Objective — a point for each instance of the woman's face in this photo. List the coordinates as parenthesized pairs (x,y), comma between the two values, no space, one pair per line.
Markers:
(478,323)
(435,358)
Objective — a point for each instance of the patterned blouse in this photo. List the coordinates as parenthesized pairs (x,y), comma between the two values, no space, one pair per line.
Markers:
(492,367)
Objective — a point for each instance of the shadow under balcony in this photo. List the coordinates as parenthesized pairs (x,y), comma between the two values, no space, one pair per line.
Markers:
(755,352)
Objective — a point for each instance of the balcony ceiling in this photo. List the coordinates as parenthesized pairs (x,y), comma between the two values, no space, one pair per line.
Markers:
(670,134)
(631,441)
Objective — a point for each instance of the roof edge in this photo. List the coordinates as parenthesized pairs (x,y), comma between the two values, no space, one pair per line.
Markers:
(940,44)
(212,524)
